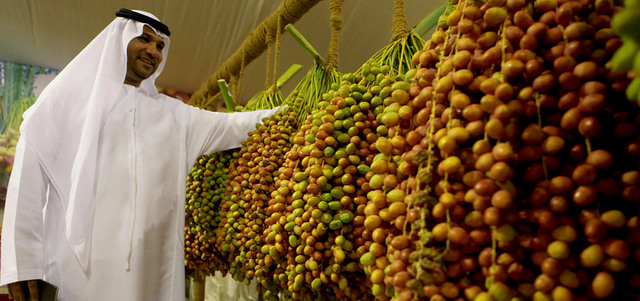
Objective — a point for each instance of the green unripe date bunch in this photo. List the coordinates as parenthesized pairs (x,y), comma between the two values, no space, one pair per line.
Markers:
(206,187)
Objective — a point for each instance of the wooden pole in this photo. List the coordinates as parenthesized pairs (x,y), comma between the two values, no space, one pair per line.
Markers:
(288,12)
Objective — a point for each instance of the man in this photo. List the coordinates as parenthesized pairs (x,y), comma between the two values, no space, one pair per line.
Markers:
(95,202)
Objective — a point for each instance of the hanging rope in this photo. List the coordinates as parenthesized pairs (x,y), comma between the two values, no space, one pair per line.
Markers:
(269,53)
(211,100)
(239,84)
(399,27)
(277,56)
(289,11)
(336,25)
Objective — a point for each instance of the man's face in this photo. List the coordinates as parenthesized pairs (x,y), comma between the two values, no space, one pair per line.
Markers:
(144,54)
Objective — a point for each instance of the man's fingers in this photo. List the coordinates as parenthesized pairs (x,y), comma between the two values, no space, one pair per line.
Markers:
(33,289)
(16,292)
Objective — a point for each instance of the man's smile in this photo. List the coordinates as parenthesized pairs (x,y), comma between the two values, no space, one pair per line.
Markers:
(147,61)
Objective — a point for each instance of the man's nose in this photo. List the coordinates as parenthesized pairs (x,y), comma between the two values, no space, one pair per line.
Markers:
(153,51)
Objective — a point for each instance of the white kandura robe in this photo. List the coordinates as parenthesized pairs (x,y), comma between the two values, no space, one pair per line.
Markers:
(147,148)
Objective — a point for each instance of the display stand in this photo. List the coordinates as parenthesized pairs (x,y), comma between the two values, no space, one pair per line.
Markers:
(198,287)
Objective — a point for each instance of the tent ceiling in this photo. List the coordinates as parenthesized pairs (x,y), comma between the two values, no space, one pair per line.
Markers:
(203,34)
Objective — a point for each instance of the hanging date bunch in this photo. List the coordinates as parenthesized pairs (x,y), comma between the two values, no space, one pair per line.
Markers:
(250,182)
(522,169)
(321,196)
(206,186)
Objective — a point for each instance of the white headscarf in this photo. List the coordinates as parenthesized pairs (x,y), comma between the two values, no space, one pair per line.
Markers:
(63,126)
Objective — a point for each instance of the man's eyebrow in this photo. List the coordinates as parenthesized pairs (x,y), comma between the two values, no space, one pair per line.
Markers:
(149,36)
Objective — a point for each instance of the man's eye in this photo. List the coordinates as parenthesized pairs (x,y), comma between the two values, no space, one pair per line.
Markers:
(143,39)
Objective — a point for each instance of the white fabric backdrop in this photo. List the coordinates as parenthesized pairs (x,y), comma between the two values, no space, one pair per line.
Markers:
(203,34)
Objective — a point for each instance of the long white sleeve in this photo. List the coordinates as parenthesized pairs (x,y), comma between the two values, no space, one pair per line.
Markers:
(220,131)
(22,255)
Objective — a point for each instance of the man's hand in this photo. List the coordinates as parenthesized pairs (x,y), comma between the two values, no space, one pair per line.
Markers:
(16,291)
